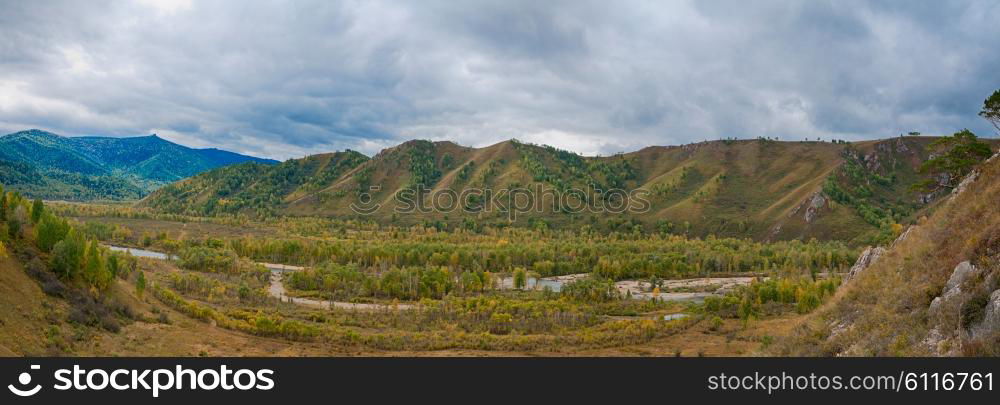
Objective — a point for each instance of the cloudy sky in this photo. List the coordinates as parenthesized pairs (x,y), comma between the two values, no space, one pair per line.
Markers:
(284,79)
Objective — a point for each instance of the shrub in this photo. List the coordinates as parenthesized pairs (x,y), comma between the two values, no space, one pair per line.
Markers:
(716,323)
(51,285)
(974,309)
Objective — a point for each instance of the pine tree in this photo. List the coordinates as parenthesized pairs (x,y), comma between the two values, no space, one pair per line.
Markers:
(140,284)
(92,263)
(991,109)
(962,151)
(37,208)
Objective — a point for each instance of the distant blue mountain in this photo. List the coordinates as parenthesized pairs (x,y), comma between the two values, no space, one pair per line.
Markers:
(91,167)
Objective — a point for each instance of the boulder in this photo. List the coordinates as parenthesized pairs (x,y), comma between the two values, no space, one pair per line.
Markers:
(953,288)
(962,273)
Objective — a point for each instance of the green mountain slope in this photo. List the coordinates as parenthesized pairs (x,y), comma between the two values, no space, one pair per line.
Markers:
(254,188)
(763,189)
(48,150)
(45,165)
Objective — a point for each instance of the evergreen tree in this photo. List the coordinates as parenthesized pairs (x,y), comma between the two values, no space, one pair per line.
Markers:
(37,208)
(93,264)
(140,284)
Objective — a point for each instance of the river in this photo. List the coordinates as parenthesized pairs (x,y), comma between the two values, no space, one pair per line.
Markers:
(638,289)
(277,287)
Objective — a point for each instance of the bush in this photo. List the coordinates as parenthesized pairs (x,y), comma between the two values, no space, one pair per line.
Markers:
(50,284)
(974,309)
(86,310)
(500,323)
(716,323)
(591,289)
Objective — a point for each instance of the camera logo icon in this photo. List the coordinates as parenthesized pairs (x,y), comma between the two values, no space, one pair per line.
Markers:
(24,379)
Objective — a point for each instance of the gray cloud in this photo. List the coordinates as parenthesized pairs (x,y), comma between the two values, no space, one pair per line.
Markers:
(282,79)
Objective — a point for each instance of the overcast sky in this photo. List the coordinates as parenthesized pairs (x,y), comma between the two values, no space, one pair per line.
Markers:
(284,79)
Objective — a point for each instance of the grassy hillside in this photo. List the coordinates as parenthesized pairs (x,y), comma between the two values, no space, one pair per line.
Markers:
(764,189)
(919,298)
(23,311)
(45,165)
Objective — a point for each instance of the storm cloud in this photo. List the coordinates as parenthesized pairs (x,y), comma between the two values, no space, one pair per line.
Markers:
(285,79)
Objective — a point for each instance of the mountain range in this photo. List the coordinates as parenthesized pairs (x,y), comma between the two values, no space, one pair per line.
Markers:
(764,189)
(761,188)
(45,165)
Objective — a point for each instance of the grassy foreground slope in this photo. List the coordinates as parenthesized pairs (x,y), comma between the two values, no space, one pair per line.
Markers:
(767,190)
(933,292)
(23,311)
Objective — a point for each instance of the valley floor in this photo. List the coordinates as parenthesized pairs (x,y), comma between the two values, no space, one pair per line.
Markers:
(189,337)
(398,291)
(31,326)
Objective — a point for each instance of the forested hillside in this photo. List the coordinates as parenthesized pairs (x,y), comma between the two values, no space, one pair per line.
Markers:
(254,188)
(45,165)
(764,189)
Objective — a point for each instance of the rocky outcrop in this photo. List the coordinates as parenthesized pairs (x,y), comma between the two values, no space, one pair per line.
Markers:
(867,258)
(940,339)
(962,273)
(971,177)
(812,205)
(815,203)
(966,182)
(901,146)
(991,318)
(903,236)
(965,271)
(992,157)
